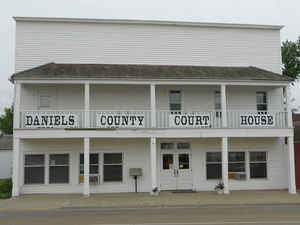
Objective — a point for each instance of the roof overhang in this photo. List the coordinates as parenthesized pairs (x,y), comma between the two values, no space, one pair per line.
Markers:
(148,22)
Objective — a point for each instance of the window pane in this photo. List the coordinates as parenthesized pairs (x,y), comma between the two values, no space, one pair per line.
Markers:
(175,100)
(236,156)
(258,156)
(261,107)
(236,167)
(112,173)
(34,175)
(184,162)
(44,101)
(175,107)
(31,160)
(167,146)
(184,145)
(217,100)
(58,174)
(261,98)
(167,161)
(213,157)
(59,159)
(94,169)
(214,171)
(258,170)
(112,158)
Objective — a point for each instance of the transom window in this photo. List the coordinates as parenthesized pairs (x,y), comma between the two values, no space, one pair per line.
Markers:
(34,171)
(167,145)
(258,165)
(58,168)
(113,167)
(175,100)
(261,101)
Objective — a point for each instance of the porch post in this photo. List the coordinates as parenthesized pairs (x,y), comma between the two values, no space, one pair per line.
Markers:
(224,105)
(291,161)
(86,185)
(225,164)
(17,98)
(16,167)
(288,106)
(153,159)
(87,105)
(153,105)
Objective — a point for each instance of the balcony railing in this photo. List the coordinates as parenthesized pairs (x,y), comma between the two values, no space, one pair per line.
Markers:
(141,119)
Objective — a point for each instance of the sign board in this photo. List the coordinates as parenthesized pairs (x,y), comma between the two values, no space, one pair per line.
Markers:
(120,119)
(50,120)
(189,120)
(257,120)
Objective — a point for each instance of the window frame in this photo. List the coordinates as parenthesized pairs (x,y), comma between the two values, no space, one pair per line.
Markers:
(93,174)
(264,103)
(238,162)
(266,162)
(103,165)
(218,110)
(215,162)
(69,167)
(44,166)
(181,100)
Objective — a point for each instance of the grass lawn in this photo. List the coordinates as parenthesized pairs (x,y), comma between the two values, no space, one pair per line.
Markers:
(5,188)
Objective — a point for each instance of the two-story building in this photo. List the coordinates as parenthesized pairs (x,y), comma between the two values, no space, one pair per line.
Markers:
(187,104)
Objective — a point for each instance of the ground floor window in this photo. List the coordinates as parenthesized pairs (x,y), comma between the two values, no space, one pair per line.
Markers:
(237,164)
(258,165)
(34,169)
(112,167)
(213,165)
(58,168)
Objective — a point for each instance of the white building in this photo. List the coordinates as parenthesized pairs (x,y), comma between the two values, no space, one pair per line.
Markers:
(189,104)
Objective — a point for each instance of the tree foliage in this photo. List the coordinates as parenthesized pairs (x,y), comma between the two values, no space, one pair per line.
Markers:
(6,121)
(291,58)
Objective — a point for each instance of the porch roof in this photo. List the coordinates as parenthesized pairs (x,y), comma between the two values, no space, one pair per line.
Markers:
(147,72)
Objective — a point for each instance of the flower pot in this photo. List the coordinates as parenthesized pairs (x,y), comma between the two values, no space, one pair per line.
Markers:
(220,191)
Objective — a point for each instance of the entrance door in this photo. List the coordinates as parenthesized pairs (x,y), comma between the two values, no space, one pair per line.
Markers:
(175,169)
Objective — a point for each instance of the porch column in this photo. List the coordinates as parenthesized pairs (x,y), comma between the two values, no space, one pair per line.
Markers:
(16,168)
(224,105)
(87,105)
(86,185)
(291,161)
(153,159)
(17,97)
(287,91)
(225,164)
(153,105)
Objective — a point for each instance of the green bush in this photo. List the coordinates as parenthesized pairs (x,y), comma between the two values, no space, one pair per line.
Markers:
(5,188)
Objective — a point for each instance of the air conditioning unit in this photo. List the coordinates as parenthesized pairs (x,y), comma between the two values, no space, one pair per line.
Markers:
(94,179)
(240,176)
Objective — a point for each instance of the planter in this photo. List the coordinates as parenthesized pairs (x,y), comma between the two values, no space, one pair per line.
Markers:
(220,191)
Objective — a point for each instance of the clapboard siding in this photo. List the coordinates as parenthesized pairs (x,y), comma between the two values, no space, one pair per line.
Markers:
(137,155)
(43,42)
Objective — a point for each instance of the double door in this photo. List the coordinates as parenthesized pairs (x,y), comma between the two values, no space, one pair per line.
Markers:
(175,170)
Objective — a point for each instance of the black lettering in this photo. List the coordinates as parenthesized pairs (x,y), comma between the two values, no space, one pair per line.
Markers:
(71,120)
(124,120)
(56,120)
(263,120)
(110,120)
(29,120)
(198,120)
(102,121)
(133,119)
(140,118)
(250,120)
(36,121)
(177,120)
(183,120)
(44,121)
(117,120)
(51,120)
(257,120)
(64,121)
(270,120)
(206,120)
(191,120)
(243,120)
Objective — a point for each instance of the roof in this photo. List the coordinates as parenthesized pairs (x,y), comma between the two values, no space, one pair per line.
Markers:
(147,72)
(148,22)
(6,142)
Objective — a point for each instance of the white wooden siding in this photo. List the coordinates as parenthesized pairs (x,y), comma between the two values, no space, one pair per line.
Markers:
(5,164)
(137,155)
(43,42)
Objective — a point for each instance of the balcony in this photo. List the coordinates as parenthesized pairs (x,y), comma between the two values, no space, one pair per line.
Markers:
(147,119)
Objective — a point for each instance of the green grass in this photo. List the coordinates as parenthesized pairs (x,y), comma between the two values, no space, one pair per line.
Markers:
(5,188)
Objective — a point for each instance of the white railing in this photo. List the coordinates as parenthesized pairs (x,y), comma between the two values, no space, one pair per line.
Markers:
(141,119)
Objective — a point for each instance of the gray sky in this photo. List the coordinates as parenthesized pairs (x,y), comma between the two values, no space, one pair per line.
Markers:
(282,12)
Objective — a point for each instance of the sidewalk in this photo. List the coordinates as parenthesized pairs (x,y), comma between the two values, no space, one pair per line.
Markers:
(127,200)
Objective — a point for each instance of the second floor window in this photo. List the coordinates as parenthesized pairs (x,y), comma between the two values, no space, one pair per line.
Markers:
(175,100)
(44,101)
(261,101)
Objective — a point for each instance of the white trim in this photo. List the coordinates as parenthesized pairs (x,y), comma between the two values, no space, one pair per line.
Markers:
(148,22)
(157,82)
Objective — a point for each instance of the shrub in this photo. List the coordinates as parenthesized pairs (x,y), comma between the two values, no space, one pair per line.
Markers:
(5,188)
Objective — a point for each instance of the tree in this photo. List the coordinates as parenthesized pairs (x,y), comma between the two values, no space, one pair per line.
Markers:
(6,121)
(291,58)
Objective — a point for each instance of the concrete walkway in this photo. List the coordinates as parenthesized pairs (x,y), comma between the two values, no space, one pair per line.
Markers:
(132,200)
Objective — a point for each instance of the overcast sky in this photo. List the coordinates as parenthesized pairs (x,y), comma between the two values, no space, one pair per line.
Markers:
(275,12)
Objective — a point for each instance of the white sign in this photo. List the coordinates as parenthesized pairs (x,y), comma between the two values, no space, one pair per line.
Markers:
(189,120)
(120,119)
(257,120)
(50,120)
